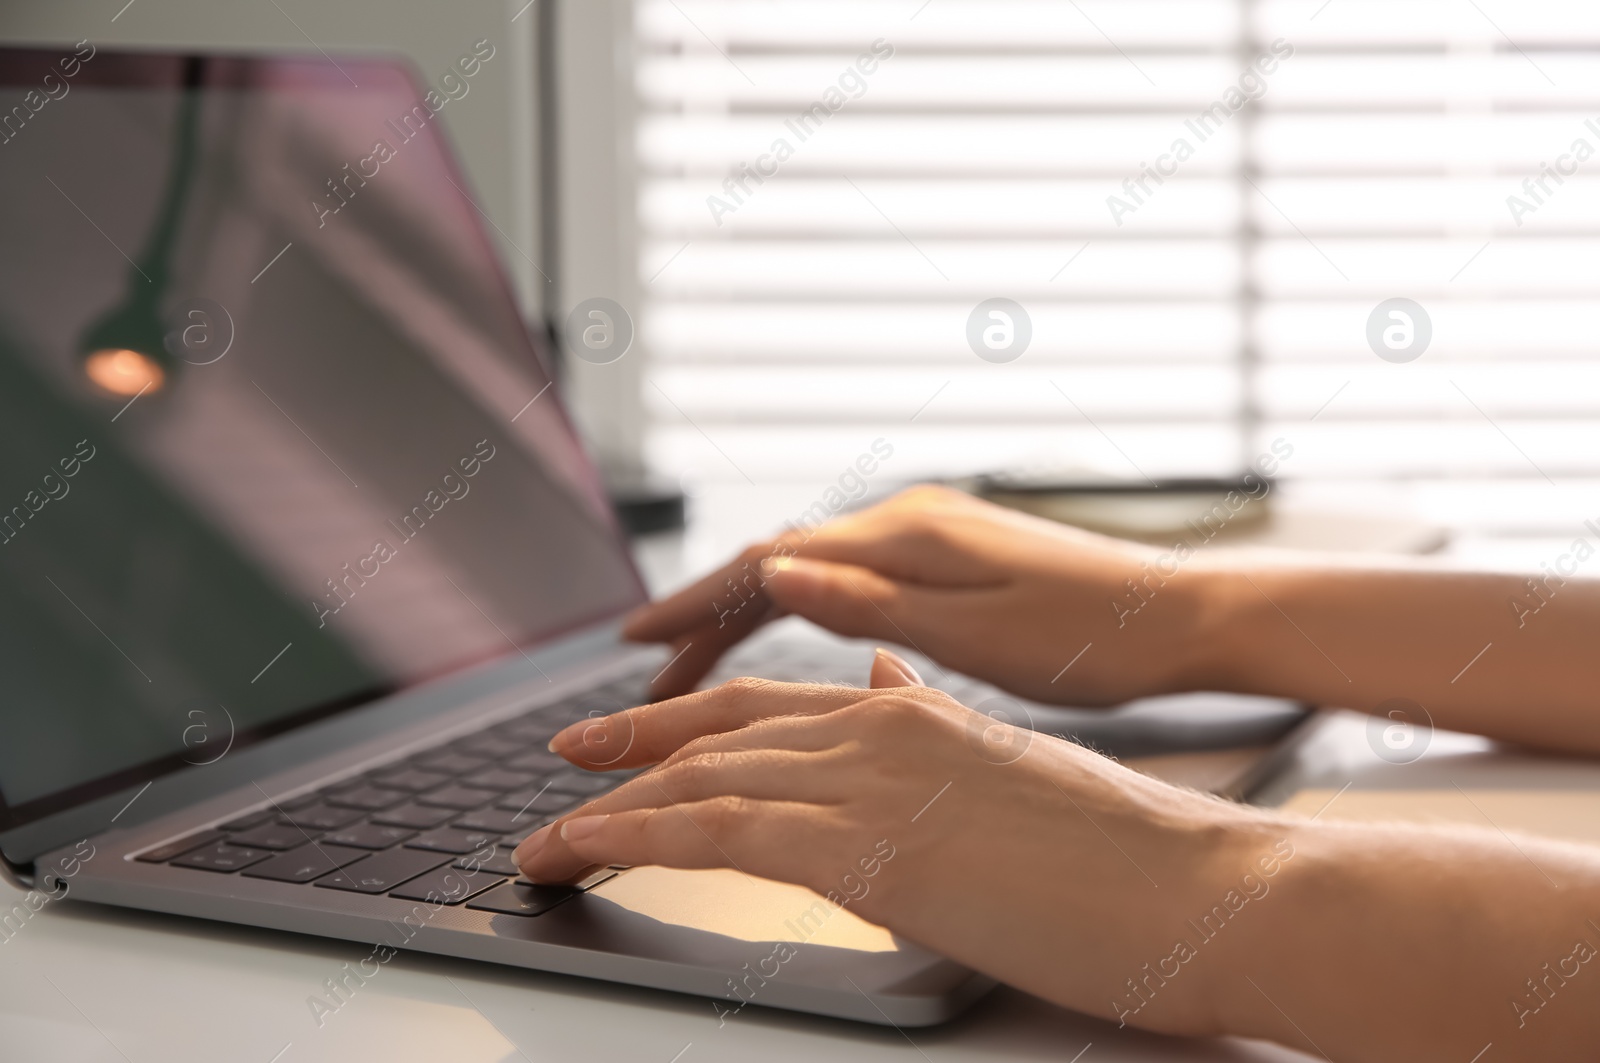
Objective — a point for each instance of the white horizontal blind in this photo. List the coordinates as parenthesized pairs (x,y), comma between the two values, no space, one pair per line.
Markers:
(1178,331)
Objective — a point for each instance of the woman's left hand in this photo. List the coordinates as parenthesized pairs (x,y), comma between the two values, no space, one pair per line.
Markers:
(1026,857)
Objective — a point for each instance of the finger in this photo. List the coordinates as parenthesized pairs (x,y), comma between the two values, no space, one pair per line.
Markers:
(771,773)
(651,733)
(851,600)
(771,839)
(766,775)
(892,670)
(707,600)
(888,538)
(697,651)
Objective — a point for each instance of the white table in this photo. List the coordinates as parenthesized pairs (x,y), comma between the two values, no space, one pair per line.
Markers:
(128,986)
(85,984)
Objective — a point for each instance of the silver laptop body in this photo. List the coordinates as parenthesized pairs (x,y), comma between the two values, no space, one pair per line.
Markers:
(303,561)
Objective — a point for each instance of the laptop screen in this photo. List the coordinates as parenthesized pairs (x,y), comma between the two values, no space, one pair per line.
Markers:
(274,440)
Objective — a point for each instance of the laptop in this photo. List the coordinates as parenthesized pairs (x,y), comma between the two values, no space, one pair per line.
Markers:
(304,563)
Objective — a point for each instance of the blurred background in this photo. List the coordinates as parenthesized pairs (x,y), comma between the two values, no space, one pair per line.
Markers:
(1200,209)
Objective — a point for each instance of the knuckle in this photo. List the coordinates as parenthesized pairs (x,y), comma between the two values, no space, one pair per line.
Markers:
(722,816)
(936,698)
(930,533)
(920,529)
(923,494)
(746,685)
(755,553)
(648,823)
(891,712)
(694,748)
(858,712)
(696,770)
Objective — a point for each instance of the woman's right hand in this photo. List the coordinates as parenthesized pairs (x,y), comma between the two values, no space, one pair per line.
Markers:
(1042,610)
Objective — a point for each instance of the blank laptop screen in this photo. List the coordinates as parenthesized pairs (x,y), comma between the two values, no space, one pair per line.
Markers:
(274,440)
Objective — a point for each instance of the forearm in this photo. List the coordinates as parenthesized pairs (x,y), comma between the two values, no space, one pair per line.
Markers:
(1387,943)
(1480,652)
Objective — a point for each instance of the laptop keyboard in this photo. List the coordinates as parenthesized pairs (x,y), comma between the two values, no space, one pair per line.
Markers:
(437,826)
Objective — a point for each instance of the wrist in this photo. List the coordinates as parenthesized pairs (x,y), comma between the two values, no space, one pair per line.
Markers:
(1363,917)
(1220,629)
(1257,896)
(1223,869)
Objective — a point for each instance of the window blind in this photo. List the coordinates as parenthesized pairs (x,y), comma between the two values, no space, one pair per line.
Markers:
(1199,205)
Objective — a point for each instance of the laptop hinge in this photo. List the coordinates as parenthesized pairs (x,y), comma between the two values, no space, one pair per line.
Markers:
(19,875)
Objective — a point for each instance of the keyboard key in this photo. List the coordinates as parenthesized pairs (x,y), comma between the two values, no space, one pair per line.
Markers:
(498,862)
(494,821)
(584,784)
(449,762)
(533,736)
(253,819)
(606,702)
(366,798)
(498,779)
(460,798)
(537,802)
(271,836)
(447,885)
(488,744)
(222,857)
(184,844)
(411,780)
(369,836)
(321,817)
(449,840)
(528,727)
(306,863)
(413,816)
(384,871)
(540,760)
(517,898)
(556,717)
(303,801)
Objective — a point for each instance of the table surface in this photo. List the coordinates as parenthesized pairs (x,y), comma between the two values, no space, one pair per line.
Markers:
(87,984)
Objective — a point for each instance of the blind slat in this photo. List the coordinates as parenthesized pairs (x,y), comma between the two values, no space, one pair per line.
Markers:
(794,318)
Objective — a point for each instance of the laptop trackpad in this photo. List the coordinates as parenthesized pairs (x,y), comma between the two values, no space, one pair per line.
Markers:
(735,905)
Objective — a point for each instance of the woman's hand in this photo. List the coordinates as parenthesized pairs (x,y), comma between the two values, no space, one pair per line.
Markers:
(1060,872)
(1045,611)
(1028,858)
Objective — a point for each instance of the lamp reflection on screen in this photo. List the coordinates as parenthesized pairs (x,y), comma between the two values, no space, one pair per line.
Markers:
(124,353)
(123,371)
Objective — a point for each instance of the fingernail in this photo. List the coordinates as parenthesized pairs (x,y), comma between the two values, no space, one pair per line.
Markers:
(780,562)
(531,846)
(574,830)
(633,619)
(902,666)
(587,730)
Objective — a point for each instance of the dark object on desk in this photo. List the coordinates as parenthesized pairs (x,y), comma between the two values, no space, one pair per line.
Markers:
(645,504)
(1239,511)
(1192,508)
(1246,482)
